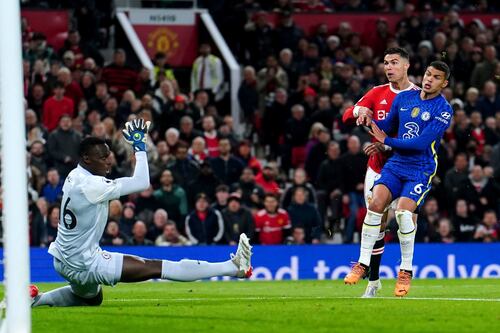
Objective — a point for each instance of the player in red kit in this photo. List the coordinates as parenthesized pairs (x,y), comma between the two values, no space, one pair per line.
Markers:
(375,104)
(272,224)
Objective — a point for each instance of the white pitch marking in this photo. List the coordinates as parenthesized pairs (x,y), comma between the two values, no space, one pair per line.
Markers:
(459,299)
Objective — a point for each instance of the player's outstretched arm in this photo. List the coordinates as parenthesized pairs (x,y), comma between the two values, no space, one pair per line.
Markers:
(135,133)
(433,132)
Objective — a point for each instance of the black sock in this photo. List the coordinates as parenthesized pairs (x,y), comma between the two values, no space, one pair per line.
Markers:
(375,260)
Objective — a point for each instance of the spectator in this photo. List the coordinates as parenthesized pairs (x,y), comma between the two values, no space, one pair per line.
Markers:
(98,102)
(63,145)
(299,180)
(455,177)
(56,106)
(139,232)
(287,34)
(354,165)
(270,78)
(296,135)
(160,218)
(272,224)
(113,236)
(71,88)
(303,214)
(298,237)
(53,214)
(273,126)
(221,196)
(187,131)
(210,135)
(251,193)
(198,153)
(80,50)
(484,70)
(489,103)
(172,139)
(171,237)
(162,68)
(128,219)
(171,197)
(244,154)
(267,180)
(226,167)
(205,182)
(237,220)
(330,182)
(464,225)
(163,98)
(52,191)
(207,73)
(488,230)
(248,96)
(183,169)
(37,228)
(479,191)
(444,232)
(318,153)
(118,76)
(204,226)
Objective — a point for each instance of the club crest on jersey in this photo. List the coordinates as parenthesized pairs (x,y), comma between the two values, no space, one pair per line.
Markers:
(425,116)
(415,112)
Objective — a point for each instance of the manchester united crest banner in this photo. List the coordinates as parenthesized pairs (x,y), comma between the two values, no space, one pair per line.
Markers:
(173,32)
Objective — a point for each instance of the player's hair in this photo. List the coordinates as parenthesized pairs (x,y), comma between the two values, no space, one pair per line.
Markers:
(397,50)
(89,143)
(271,195)
(441,66)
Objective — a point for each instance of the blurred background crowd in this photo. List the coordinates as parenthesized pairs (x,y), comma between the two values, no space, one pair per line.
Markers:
(295,174)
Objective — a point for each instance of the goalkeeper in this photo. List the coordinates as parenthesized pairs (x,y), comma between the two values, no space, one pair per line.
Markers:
(84,212)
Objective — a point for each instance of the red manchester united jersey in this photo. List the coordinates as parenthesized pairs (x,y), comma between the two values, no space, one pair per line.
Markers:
(379,100)
(271,226)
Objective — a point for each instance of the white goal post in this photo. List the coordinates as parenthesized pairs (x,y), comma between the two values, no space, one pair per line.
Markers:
(14,175)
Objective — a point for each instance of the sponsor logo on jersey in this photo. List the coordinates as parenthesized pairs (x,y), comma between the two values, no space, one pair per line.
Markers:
(415,112)
(380,114)
(446,115)
(383,102)
(412,132)
(425,116)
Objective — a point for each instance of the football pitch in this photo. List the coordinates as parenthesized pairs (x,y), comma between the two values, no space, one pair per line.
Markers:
(284,306)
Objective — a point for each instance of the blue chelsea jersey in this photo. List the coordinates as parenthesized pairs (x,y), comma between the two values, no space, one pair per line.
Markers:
(420,125)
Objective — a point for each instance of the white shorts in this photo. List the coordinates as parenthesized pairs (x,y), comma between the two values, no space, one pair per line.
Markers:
(370,178)
(105,269)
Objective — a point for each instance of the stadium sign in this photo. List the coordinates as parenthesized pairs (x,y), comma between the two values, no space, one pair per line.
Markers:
(319,262)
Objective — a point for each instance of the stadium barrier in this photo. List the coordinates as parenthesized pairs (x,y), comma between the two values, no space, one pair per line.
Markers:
(320,262)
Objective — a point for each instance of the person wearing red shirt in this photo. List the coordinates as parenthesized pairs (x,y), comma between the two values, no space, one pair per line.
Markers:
(375,104)
(272,224)
(71,88)
(55,107)
(210,136)
(266,179)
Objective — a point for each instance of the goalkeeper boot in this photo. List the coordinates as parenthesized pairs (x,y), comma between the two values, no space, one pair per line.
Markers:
(403,283)
(242,258)
(372,289)
(358,272)
(34,294)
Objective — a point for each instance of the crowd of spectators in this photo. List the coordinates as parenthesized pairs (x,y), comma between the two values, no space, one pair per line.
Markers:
(295,176)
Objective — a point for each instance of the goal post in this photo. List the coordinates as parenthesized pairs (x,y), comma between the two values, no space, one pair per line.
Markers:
(14,175)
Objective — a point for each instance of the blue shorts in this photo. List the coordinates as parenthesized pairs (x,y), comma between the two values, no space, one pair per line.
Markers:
(405,183)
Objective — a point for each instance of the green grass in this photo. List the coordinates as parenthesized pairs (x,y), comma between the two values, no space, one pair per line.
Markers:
(292,306)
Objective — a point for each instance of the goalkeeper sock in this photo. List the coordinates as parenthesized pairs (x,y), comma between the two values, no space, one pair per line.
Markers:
(369,235)
(378,250)
(406,234)
(192,270)
(65,297)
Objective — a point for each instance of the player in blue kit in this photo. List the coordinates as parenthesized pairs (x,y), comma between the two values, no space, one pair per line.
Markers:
(420,119)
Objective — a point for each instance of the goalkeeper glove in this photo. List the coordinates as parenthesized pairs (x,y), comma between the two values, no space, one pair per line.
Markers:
(135,133)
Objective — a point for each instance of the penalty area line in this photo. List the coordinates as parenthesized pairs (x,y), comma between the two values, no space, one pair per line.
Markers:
(278,298)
